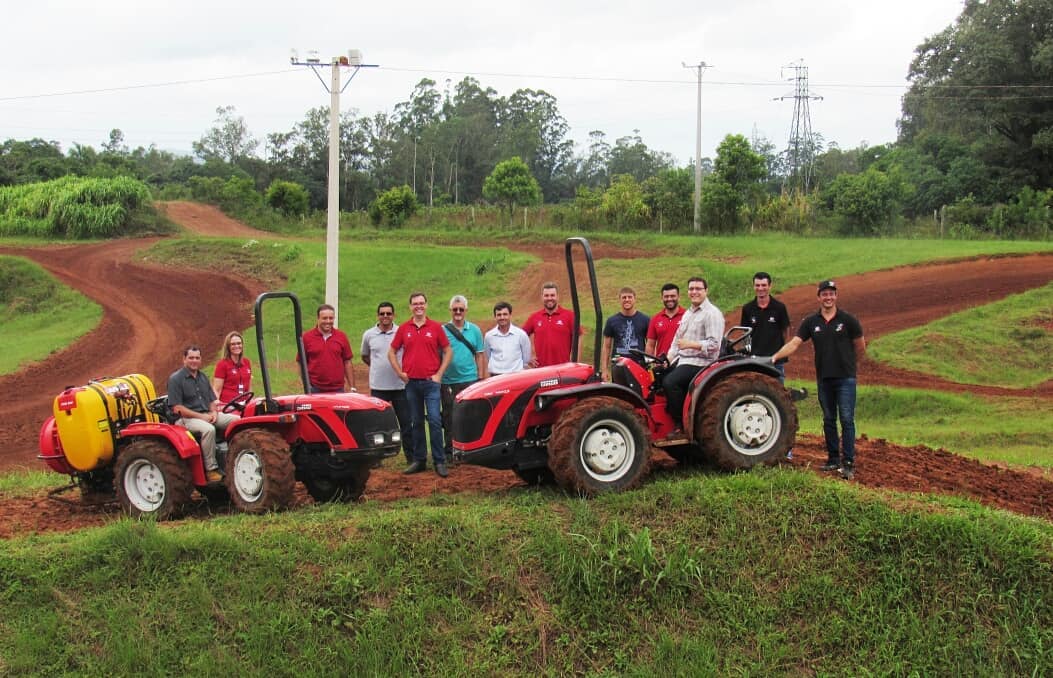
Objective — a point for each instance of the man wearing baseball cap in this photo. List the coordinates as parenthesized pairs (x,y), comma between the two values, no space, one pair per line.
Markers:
(839,342)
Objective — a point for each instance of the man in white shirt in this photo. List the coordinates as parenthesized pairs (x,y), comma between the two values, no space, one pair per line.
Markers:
(507,346)
(696,344)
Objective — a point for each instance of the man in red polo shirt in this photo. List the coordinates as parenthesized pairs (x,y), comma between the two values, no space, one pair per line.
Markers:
(551,328)
(664,323)
(426,353)
(329,368)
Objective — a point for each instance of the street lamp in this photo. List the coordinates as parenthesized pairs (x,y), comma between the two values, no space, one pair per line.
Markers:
(352,60)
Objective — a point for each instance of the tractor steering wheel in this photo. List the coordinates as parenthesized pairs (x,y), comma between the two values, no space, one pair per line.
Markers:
(238,403)
(645,358)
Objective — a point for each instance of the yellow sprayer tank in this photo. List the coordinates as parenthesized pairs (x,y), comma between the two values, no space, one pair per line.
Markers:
(88,418)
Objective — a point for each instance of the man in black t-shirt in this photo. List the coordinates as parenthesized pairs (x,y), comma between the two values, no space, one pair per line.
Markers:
(839,343)
(768,318)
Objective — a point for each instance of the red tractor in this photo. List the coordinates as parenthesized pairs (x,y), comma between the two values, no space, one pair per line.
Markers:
(115,436)
(564,423)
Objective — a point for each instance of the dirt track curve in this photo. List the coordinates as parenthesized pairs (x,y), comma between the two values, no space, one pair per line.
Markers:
(151,311)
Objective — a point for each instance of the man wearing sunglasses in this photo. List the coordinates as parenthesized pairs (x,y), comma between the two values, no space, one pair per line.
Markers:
(466,366)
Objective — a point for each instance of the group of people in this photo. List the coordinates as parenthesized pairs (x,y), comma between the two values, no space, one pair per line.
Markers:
(421,365)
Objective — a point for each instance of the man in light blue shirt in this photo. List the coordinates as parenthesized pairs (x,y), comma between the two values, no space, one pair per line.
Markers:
(466,366)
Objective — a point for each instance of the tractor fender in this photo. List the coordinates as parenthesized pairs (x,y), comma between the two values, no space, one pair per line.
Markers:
(178,437)
(543,400)
(269,421)
(706,379)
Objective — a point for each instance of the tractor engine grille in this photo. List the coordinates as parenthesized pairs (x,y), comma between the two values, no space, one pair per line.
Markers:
(364,423)
(469,419)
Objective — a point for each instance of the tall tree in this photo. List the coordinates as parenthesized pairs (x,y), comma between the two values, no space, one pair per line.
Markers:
(988,80)
(228,140)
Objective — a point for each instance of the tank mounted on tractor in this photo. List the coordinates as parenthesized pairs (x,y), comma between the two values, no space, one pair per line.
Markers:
(115,437)
(564,423)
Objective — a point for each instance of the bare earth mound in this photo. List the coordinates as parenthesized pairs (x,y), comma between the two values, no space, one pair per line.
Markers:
(150,312)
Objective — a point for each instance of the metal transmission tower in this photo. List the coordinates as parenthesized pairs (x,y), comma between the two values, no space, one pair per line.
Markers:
(800,152)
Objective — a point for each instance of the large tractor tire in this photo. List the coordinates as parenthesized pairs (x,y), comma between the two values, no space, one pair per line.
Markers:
(747,419)
(599,445)
(348,489)
(151,480)
(260,473)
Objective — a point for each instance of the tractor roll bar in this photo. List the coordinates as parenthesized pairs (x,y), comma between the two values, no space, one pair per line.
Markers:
(269,404)
(577,307)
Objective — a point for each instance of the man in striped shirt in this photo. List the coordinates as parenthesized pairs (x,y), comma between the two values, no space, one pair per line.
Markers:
(696,344)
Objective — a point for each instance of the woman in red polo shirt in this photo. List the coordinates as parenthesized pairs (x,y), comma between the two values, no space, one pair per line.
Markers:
(233,375)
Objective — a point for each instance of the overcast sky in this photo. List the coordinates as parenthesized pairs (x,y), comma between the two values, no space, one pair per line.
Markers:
(161,68)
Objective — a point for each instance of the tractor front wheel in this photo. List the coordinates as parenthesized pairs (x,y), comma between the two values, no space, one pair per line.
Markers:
(260,473)
(151,480)
(347,489)
(599,445)
(746,419)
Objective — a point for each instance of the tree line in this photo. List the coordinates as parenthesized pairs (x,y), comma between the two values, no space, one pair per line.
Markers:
(974,155)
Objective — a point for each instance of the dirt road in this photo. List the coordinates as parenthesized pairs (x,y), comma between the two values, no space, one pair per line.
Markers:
(151,311)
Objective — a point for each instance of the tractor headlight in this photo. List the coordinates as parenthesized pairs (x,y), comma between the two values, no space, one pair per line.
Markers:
(396,437)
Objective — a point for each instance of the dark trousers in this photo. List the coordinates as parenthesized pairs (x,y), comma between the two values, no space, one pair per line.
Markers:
(676,384)
(449,396)
(837,397)
(423,397)
(398,401)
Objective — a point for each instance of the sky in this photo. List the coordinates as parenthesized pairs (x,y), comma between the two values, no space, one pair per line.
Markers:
(158,70)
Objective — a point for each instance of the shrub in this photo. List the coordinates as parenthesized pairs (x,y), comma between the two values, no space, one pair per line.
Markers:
(288,197)
(394,206)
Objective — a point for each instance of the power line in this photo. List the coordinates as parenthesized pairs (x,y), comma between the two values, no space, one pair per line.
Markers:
(583,78)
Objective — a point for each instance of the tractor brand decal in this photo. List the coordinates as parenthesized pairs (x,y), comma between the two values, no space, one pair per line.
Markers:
(548,382)
(300,407)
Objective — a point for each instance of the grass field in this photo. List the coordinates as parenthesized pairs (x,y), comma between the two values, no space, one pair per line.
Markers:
(1007,343)
(772,572)
(38,315)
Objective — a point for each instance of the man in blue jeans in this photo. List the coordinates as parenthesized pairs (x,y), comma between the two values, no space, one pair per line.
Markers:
(426,354)
(839,343)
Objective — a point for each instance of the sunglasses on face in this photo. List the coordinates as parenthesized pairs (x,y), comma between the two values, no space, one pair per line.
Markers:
(385,313)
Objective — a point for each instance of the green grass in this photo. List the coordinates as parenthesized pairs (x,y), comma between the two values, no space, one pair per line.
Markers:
(771,572)
(1004,430)
(1006,343)
(38,314)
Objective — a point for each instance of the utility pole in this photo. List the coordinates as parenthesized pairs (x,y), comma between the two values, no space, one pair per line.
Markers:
(800,152)
(352,60)
(700,67)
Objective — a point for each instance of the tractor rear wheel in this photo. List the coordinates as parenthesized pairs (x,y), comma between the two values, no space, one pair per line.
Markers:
(260,473)
(346,489)
(746,419)
(599,445)
(151,480)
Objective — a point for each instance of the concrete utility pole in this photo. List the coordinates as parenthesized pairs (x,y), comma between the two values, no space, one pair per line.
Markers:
(353,60)
(700,67)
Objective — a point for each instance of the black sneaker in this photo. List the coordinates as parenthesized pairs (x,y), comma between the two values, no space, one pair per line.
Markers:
(848,470)
(831,465)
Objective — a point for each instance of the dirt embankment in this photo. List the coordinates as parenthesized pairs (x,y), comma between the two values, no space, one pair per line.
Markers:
(151,312)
